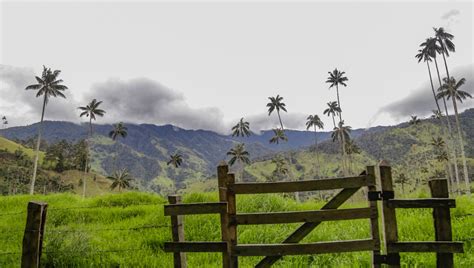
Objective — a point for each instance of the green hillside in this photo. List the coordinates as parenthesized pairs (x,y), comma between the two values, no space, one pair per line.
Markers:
(12,146)
(128,230)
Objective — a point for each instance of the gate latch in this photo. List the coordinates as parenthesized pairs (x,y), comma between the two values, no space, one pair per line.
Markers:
(380,195)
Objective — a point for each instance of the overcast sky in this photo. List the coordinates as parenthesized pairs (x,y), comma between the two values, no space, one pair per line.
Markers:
(205,65)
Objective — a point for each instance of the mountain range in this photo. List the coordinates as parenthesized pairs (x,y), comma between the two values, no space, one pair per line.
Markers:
(146,149)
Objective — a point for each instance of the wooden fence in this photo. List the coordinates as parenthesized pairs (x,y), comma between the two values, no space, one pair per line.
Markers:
(271,253)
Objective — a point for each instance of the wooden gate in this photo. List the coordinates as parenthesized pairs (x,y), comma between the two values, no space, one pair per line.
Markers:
(231,219)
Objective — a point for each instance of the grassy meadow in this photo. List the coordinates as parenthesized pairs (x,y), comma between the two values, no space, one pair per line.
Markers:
(129,230)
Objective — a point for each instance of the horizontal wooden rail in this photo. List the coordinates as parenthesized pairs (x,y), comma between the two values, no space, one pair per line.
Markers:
(303,249)
(195,247)
(437,246)
(303,216)
(195,208)
(301,186)
(422,203)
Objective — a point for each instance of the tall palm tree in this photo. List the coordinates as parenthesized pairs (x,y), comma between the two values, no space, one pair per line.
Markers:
(119,130)
(341,133)
(315,122)
(120,179)
(414,120)
(176,160)
(276,104)
(91,110)
(278,135)
(337,78)
(280,167)
(48,86)
(241,129)
(351,149)
(425,55)
(451,89)
(432,49)
(239,155)
(332,110)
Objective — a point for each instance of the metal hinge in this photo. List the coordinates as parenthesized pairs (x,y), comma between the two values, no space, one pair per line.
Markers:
(390,259)
(380,195)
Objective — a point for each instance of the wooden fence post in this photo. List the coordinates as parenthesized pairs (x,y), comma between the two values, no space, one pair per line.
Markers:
(231,211)
(442,221)
(374,221)
(33,236)
(389,216)
(222,171)
(177,231)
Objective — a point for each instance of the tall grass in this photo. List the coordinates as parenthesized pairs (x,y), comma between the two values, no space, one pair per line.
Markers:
(95,232)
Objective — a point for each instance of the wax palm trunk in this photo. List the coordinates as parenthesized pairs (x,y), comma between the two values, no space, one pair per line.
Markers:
(443,127)
(87,159)
(451,140)
(461,142)
(343,140)
(318,164)
(290,173)
(38,142)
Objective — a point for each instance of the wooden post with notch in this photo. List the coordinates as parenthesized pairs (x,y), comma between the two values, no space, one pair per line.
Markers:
(389,216)
(177,232)
(33,236)
(222,171)
(374,221)
(232,226)
(442,221)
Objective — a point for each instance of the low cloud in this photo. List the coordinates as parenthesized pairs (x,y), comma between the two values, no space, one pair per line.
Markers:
(142,100)
(420,101)
(262,121)
(450,14)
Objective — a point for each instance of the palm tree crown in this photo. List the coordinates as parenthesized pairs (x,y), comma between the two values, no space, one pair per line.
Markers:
(336,78)
(444,38)
(341,132)
(414,120)
(314,121)
(450,89)
(176,160)
(276,103)
(242,128)
(119,130)
(278,135)
(92,110)
(120,179)
(238,153)
(48,85)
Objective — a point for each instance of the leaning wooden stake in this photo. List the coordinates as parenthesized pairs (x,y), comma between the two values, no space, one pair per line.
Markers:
(177,231)
(442,221)
(33,236)
(389,217)
(222,171)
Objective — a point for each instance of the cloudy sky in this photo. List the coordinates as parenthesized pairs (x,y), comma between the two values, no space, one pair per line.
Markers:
(205,65)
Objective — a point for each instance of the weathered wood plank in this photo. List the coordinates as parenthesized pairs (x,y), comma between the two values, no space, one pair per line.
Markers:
(434,246)
(195,208)
(422,203)
(442,221)
(195,247)
(303,249)
(306,228)
(374,221)
(231,211)
(301,186)
(390,228)
(303,216)
(222,171)
(177,233)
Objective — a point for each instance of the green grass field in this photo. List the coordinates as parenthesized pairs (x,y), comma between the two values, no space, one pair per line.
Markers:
(95,232)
